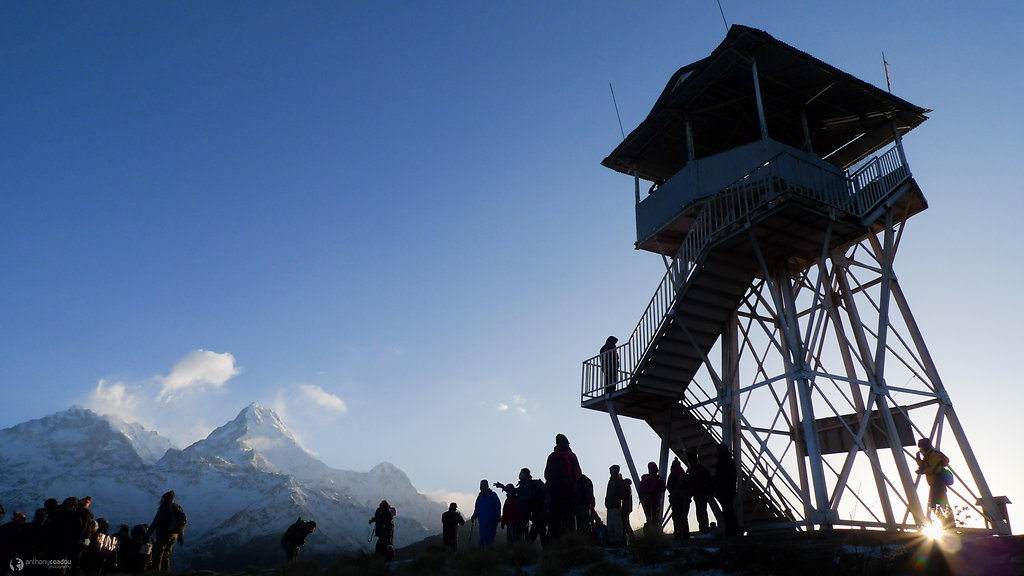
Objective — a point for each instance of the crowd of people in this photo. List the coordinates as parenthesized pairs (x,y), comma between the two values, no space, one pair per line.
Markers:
(564,502)
(67,538)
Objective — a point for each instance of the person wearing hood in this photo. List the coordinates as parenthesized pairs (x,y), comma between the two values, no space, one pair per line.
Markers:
(651,491)
(614,493)
(488,511)
(609,361)
(561,474)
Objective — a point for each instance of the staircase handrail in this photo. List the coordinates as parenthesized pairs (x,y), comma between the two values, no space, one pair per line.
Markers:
(853,193)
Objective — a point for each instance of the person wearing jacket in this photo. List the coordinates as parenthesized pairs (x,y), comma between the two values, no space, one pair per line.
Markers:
(702,490)
(168,527)
(931,464)
(651,491)
(678,486)
(613,495)
(384,518)
(488,511)
(561,474)
(450,522)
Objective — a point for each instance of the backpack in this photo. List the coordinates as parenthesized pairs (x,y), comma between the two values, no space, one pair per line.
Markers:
(178,519)
(945,475)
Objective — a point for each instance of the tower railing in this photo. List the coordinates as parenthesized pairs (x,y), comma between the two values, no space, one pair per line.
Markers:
(784,174)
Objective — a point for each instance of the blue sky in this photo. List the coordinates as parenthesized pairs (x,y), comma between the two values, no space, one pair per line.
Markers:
(389,221)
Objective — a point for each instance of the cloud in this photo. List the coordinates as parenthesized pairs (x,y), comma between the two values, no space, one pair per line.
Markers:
(322,398)
(196,370)
(463,500)
(516,404)
(116,398)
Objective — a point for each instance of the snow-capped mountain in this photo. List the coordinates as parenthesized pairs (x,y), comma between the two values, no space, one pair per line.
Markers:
(241,486)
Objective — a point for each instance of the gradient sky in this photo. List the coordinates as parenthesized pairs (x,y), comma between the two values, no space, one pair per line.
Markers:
(388,221)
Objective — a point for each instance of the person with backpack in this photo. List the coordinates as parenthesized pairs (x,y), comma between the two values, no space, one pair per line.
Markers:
(532,497)
(168,527)
(932,464)
(678,487)
(583,503)
(295,537)
(488,510)
(450,522)
(561,474)
(627,511)
(384,530)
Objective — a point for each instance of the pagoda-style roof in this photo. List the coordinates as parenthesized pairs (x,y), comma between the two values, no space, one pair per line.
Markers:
(847,118)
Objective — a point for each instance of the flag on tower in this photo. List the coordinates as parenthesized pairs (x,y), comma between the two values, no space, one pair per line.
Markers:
(885,63)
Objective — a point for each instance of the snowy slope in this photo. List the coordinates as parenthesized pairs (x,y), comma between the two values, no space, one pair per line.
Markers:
(241,486)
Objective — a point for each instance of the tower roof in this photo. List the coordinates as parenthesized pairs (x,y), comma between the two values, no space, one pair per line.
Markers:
(848,118)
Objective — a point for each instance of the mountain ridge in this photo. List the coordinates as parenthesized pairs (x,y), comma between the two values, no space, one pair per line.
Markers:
(242,484)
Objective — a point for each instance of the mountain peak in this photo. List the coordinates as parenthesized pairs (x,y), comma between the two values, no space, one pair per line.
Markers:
(257,438)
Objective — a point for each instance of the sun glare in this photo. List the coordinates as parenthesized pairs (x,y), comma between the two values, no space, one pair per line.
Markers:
(933,531)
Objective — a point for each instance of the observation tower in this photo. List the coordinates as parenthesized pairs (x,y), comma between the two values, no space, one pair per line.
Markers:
(778,195)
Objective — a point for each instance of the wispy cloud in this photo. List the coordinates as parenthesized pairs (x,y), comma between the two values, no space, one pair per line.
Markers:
(517,404)
(197,370)
(120,399)
(463,500)
(322,398)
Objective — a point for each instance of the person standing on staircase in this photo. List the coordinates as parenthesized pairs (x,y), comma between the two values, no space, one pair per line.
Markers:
(610,364)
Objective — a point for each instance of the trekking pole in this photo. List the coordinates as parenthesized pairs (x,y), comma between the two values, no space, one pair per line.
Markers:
(471,523)
(369,535)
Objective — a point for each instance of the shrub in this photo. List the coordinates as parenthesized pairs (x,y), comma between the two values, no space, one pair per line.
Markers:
(566,553)
(359,565)
(478,562)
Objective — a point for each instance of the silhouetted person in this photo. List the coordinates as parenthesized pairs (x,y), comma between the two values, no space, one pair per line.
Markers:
(384,529)
(450,522)
(702,489)
(725,489)
(932,464)
(85,527)
(15,540)
(510,512)
(561,474)
(488,511)
(627,510)
(614,492)
(532,495)
(652,494)
(610,363)
(168,527)
(295,537)
(678,486)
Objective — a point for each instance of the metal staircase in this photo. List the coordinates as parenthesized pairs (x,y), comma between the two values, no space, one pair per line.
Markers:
(790,208)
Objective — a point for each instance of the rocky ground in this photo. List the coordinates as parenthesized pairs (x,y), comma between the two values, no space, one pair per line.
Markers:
(840,553)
